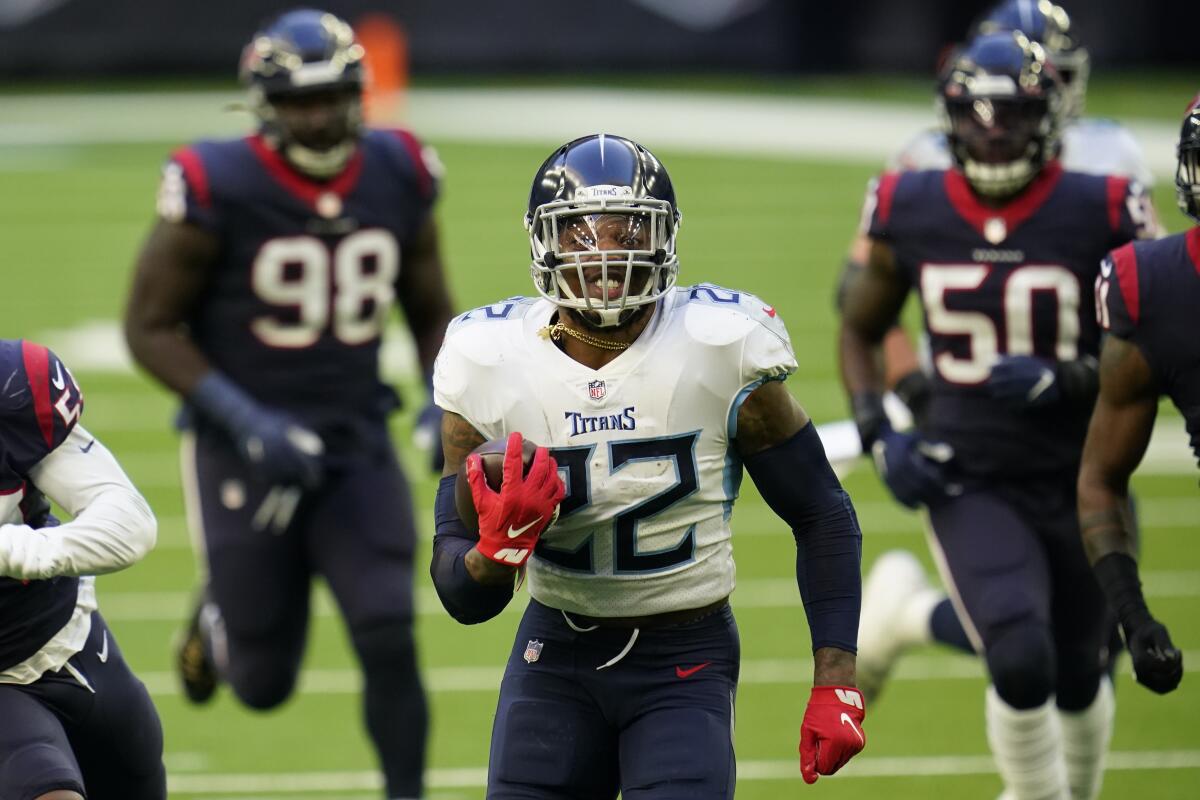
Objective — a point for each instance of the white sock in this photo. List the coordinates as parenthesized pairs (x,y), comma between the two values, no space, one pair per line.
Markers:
(1028,749)
(1086,735)
(915,621)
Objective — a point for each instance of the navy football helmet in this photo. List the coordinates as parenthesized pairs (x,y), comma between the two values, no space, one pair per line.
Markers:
(1050,26)
(1001,101)
(602,221)
(307,56)
(1187,175)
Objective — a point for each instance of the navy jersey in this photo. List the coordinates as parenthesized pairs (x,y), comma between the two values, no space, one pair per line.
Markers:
(1009,280)
(307,270)
(39,405)
(1148,293)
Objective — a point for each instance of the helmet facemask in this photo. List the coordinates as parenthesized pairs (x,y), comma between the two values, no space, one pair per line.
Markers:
(321,153)
(1001,143)
(1187,173)
(604,254)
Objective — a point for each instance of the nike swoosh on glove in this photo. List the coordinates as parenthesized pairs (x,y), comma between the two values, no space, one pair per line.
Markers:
(511,520)
(1157,663)
(916,471)
(1022,382)
(832,731)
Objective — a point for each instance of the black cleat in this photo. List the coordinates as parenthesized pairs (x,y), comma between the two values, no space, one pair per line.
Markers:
(193,655)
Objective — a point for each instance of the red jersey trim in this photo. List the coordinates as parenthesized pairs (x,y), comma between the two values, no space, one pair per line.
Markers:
(884,195)
(37,372)
(301,186)
(1118,186)
(1021,208)
(1125,261)
(194,174)
(1192,240)
(413,146)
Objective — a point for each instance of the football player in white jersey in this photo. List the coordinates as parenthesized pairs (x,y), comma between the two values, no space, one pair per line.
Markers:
(650,398)
(900,609)
(75,721)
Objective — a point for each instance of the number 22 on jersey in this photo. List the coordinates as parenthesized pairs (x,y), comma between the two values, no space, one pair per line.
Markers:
(347,289)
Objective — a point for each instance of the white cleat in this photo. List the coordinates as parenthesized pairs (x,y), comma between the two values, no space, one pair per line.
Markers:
(897,604)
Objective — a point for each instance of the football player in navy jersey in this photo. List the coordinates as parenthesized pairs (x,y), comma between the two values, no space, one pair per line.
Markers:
(1000,249)
(897,588)
(74,720)
(1147,295)
(1087,144)
(260,297)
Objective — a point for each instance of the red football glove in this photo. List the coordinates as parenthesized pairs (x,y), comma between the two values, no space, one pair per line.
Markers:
(511,520)
(832,732)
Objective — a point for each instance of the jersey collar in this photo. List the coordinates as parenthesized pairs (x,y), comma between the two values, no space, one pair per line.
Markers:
(1015,212)
(300,185)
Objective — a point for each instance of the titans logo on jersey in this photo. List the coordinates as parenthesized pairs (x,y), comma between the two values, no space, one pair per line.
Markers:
(307,272)
(645,445)
(1147,293)
(1006,280)
(39,406)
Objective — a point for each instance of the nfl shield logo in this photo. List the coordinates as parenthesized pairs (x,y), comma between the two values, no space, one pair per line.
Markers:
(596,390)
(533,651)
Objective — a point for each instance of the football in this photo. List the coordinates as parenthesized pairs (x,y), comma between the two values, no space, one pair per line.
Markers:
(492,455)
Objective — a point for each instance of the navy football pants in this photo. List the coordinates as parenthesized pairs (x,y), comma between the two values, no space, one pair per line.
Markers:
(1017,568)
(356,531)
(105,743)
(656,725)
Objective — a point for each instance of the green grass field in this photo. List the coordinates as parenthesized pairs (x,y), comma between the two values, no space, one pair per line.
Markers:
(70,222)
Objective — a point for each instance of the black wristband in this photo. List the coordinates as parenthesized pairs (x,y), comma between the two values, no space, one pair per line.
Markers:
(1117,575)
(1079,381)
(915,390)
(869,416)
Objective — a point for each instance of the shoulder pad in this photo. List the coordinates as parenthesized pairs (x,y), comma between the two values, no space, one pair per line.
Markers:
(927,150)
(412,156)
(39,402)
(1104,147)
(746,311)
(512,308)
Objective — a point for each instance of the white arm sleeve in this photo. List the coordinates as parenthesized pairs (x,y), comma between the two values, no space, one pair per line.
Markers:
(112,525)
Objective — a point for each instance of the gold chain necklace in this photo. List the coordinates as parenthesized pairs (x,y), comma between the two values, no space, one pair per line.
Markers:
(556,331)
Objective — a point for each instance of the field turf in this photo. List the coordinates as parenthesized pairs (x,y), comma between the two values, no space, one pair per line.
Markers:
(70,222)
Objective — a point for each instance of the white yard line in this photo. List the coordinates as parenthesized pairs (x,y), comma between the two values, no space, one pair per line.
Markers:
(751,593)
(289,783)
(776,126)
(754,672)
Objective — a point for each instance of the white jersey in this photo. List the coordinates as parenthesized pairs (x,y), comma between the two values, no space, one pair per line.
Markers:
(644,444)
(1092,146)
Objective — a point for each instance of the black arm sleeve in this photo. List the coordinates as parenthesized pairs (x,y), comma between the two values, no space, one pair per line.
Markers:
(799,485)
(1079,381)
(1117,575)
(467,600)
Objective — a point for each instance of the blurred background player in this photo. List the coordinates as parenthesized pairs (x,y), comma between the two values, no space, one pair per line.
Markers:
(1147,296)
(260,297)
(896,588)
(1001,249)
(1090,145)
(74,720)
(651,397)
